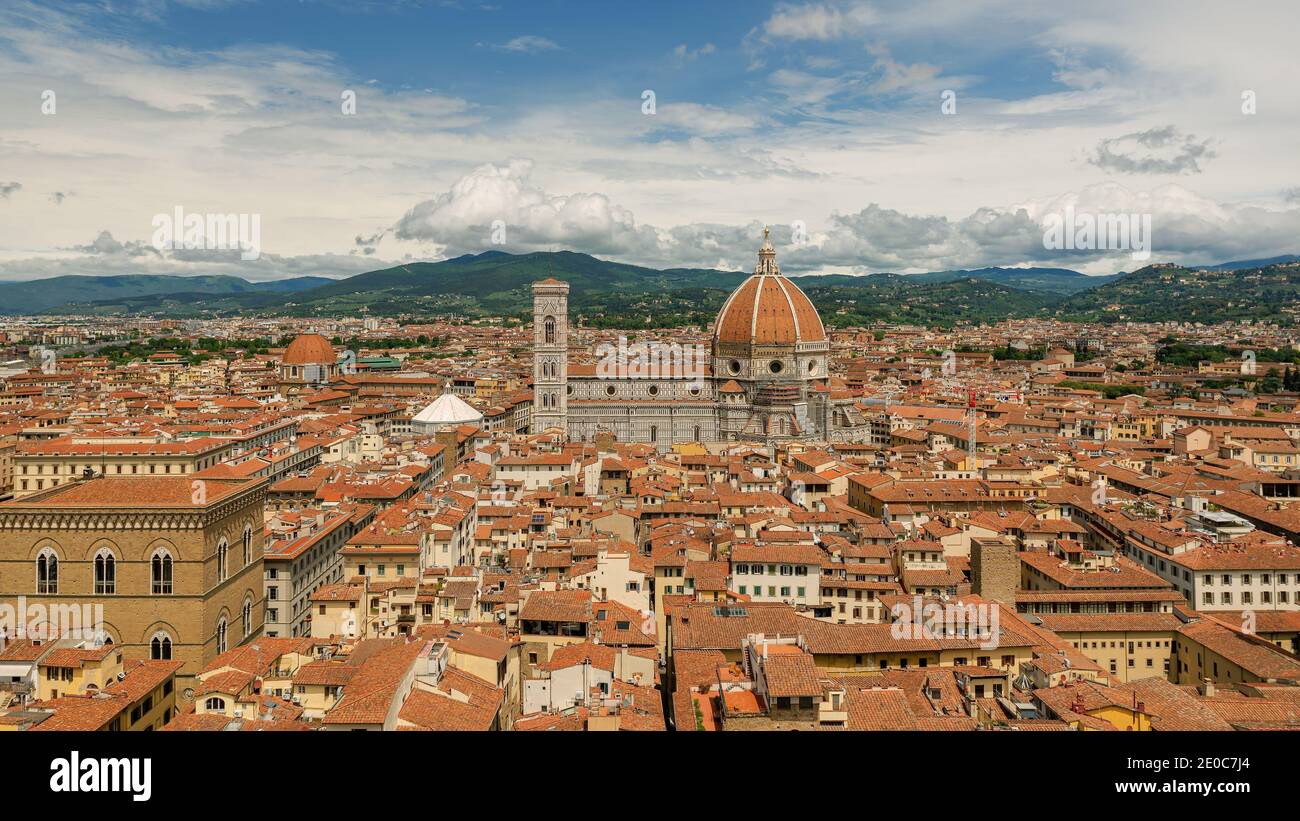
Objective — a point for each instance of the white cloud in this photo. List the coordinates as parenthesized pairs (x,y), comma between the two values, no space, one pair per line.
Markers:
(258,129)
(1186,228)
(896,76)
(529,44)
(701,119)
(1161,150)
(685,54)
(462,219)
(818,21)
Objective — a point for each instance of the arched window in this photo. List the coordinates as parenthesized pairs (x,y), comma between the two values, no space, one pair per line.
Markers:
(248,545)
(698,438)
(222,557)
(160,647)
(105,573)
(549,330)
(247,616)
(654,433)
(214,704)
(221,636)
(47,572)
(160,571)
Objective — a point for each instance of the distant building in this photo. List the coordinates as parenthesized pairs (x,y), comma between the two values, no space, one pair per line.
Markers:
(309,361)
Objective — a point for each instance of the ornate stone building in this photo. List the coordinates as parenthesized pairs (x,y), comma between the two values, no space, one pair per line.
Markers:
(765,378)
(550,353)
(175,562)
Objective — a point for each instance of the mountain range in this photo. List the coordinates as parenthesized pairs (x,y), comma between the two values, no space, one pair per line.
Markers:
(43,295)
(607,293)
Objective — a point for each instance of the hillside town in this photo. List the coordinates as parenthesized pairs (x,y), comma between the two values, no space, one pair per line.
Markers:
(373,523)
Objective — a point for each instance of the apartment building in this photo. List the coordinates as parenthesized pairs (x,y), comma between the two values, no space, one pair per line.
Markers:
(42,465)
(302,556)
(1254,570)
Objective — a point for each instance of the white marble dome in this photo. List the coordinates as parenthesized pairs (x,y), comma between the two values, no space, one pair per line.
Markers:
(447,409)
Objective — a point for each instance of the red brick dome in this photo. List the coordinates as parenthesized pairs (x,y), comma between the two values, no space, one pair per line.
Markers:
(768,308)
(309,349)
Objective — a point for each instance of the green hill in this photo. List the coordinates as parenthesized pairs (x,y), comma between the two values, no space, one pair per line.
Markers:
(1163,293)
(40,295)
(1046,280)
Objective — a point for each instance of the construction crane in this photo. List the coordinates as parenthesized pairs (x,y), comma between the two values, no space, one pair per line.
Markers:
(971,397)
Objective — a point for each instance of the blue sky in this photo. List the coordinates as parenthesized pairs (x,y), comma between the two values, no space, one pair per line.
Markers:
(823,119)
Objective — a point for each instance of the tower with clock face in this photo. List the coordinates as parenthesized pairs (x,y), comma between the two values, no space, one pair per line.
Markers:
(550,355)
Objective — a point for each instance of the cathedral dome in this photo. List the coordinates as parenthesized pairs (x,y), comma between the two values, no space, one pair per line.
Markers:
(309,349)
(768,309)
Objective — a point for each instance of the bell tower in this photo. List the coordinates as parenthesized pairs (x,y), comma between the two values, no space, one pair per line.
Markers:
(550,355)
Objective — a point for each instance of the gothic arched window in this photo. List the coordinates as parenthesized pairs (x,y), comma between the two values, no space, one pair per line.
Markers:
(222,557)
(105,573)
(160,571)
(47,572)
(549,330)
(160,647)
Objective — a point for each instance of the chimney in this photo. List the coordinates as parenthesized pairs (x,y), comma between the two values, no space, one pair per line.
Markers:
(1207,687)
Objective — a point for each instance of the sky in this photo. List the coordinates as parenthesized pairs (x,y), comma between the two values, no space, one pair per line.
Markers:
(872,136)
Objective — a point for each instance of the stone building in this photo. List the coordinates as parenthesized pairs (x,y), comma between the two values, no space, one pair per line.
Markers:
(174,562)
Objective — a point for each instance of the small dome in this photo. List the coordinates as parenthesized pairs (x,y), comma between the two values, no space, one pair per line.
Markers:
(309,349)
(768,308)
